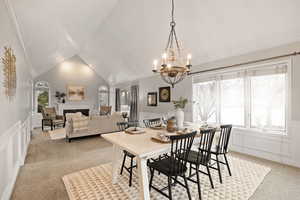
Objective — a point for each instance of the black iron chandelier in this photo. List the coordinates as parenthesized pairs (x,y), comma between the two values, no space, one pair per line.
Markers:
(175,65)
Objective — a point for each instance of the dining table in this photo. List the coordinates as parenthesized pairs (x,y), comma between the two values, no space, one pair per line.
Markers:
(144,147)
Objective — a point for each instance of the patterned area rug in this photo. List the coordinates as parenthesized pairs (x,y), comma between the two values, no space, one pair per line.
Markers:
(95,183)
(57,134)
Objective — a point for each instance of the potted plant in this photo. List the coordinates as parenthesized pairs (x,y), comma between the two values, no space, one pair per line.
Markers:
(60,96)
(179,106)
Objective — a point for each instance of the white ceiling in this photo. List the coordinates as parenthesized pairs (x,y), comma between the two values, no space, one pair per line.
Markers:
(121,38)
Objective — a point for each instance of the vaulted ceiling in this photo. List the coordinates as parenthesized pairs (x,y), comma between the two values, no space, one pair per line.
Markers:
(120,38)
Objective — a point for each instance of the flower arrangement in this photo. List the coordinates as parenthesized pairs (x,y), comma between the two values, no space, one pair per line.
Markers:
(180,104)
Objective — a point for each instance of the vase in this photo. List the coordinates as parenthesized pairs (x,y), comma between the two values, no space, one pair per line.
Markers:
(171,125)
(179,118)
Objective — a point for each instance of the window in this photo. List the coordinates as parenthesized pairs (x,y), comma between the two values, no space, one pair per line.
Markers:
(125,101)
(103,96)
(232,106)
(205,101)
(251,98)
(268,97)
(41,95)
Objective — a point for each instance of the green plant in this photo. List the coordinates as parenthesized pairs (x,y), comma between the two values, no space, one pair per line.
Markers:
(60,96)
(180,103)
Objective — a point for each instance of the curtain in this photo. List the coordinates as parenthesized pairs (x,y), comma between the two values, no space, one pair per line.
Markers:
(118,103)
(205,101)
(134,103)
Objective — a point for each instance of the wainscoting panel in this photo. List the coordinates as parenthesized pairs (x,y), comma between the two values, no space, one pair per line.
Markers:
(273,147)
(36,120)
(279,148)
(13,150)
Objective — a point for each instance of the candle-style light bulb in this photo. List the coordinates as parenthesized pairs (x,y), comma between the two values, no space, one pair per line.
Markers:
(164,58)
(189,57)
(155,65)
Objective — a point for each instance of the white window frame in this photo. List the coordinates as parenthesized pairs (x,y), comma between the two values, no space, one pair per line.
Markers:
(35,96)
(247,94)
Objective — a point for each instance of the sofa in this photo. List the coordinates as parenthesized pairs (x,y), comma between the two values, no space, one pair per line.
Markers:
(78,125)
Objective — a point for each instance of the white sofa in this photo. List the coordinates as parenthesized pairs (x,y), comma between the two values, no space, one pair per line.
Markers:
(78,125)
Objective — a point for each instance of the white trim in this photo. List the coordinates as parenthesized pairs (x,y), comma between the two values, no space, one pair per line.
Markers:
(35,105)
(13,151)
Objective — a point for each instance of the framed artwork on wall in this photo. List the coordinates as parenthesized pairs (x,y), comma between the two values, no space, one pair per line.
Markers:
(76,93)
(9,73)
(152,99)
(164,94)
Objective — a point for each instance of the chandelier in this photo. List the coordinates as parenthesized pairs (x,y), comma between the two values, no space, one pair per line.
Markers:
(175,65)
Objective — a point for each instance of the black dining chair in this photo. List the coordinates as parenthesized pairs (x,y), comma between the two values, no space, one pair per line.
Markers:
(201,157)
(122,126)
(222,149)
(175,164)
(151,122)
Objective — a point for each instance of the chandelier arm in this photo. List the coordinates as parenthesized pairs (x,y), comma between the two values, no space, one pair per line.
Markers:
(164,79)
(169,40)
(177,43)
(172,38)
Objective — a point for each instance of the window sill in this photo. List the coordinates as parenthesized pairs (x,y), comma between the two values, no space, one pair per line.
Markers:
(268,134)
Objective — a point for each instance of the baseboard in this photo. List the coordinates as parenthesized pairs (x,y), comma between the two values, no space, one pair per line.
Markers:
(10,186)
(266,155)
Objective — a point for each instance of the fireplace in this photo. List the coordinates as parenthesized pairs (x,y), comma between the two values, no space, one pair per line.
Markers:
(85,112)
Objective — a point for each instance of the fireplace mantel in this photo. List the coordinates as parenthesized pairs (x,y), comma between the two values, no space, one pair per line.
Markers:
(60,107)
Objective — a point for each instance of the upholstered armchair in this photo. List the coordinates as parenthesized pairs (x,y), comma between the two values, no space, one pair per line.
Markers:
(50,118)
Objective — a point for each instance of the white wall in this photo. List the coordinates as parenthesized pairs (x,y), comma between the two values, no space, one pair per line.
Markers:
(73,71)
(14,115)
(282,149)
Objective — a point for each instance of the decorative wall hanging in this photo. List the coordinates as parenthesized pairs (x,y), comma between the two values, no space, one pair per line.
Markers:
(152,99)
(76,93)
(9,72)
(164,94)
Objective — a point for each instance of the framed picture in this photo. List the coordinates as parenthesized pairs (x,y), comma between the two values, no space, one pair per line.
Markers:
(76,93)
(164,94)
(152,99)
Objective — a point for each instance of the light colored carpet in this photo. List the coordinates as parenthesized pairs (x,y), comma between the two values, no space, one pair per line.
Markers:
(95,183)
(57,134)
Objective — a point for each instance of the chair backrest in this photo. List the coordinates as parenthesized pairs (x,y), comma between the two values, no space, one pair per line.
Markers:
(49,113)
(206,139)
(224,138)
(122,125)
(105,110)
(180,148)
(151,122)
(134,123)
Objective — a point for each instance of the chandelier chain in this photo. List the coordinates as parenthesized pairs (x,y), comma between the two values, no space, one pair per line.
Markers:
(172,34)
(173,12)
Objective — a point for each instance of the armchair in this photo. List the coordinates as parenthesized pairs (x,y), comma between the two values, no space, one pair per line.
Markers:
(50,118)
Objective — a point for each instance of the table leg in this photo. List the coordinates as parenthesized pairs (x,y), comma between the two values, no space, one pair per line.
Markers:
(143,178)
(116,163)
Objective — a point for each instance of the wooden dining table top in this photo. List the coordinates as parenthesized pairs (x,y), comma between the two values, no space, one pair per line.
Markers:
(142,144)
